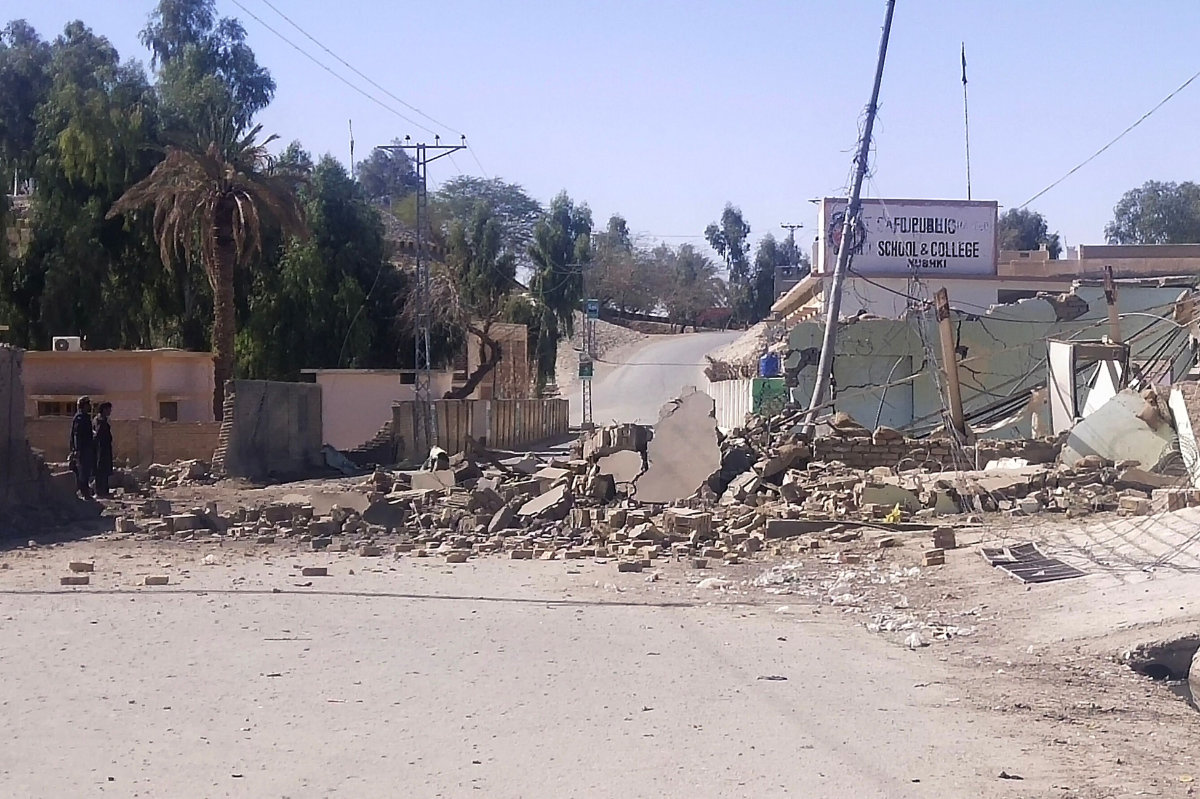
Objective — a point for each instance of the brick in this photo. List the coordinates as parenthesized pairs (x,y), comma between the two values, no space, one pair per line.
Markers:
(456,556)
(945,538)
(521,554)
(935,557)
(629,566)
(315,571)
(74,579)
(81,566)
(156,579)
(370,551)
(184,521)
(265,539)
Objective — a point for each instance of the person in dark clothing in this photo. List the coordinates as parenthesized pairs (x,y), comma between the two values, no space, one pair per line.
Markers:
(104,449)
(83,447)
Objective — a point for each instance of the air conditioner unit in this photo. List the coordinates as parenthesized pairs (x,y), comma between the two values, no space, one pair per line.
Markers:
(68,344)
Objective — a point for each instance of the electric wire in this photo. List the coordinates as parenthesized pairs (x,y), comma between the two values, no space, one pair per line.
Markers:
(351,67)
(365,77)
(325,67)
(1119,136)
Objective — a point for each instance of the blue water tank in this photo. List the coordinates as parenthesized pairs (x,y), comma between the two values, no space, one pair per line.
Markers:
(769,365)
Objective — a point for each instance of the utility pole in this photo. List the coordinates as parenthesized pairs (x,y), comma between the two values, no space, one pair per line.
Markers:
(792,268)
(587,358)
(426,432)
(853,208)
(791,228)
(1110,299)
(941,302)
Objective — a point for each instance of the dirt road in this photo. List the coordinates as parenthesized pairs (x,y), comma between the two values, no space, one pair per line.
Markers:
(492,678)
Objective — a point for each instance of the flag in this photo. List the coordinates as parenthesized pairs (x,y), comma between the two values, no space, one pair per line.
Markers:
(964,63)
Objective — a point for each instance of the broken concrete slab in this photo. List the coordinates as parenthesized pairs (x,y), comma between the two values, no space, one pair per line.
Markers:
(624,465)
(1127,427)
(1143,480)
(502,519)
(553,505)
(547,476)
(684,452)
(434,481)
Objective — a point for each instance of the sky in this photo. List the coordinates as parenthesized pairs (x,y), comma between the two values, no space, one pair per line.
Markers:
(665,110)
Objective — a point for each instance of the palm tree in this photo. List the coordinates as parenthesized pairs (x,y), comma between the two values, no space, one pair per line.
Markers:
(211,201)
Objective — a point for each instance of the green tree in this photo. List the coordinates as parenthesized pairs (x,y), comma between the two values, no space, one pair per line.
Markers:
(1021,229)
(561,245)
(731,239)
(769,258)
(387,176)
(94,135)
(329,302)
(211,205)
(24,83)
(620,275)
(481,274)
(515,212)
(692,283)
(206,72)
(1157,213)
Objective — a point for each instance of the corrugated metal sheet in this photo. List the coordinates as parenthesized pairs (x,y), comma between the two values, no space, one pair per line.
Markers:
(734,399)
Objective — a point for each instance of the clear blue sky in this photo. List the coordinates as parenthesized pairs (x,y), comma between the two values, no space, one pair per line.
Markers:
(665,110)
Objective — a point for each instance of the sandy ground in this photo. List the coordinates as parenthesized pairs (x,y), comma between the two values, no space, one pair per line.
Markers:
(408,676)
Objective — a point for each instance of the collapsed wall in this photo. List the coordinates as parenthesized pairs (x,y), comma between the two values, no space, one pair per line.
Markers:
(888,371)
(30,496)
(270,430)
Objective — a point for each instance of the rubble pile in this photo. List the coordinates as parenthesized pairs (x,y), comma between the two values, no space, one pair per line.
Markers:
(682,491)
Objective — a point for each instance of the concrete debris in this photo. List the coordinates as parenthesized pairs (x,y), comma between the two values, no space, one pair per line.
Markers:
(684,453)
(553,505)
(845,498)
(623,466)
(1130,426)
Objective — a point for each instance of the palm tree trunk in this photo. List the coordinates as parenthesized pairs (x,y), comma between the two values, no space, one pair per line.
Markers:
(221,277)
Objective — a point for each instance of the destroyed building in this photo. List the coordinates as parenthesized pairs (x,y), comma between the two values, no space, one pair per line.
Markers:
(887,370)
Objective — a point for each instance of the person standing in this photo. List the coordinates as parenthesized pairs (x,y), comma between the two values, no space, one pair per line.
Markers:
(104,449)
(83,447)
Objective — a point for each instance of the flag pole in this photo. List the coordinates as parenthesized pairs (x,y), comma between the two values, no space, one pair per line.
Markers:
(966,118)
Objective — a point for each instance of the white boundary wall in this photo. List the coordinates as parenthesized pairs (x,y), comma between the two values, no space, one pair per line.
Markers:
(734,399)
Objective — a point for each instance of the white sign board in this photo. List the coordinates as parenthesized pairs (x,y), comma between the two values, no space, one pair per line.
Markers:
(899,237)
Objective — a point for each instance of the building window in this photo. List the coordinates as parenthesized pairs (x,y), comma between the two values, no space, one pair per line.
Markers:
(168,411)
(55,408)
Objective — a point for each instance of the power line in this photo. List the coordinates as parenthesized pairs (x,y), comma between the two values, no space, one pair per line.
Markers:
(350,67)
(325,67)
(356,71)
(1120,136)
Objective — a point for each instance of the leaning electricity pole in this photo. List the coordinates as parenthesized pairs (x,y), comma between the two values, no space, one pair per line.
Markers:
(846,242)
(425,154)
